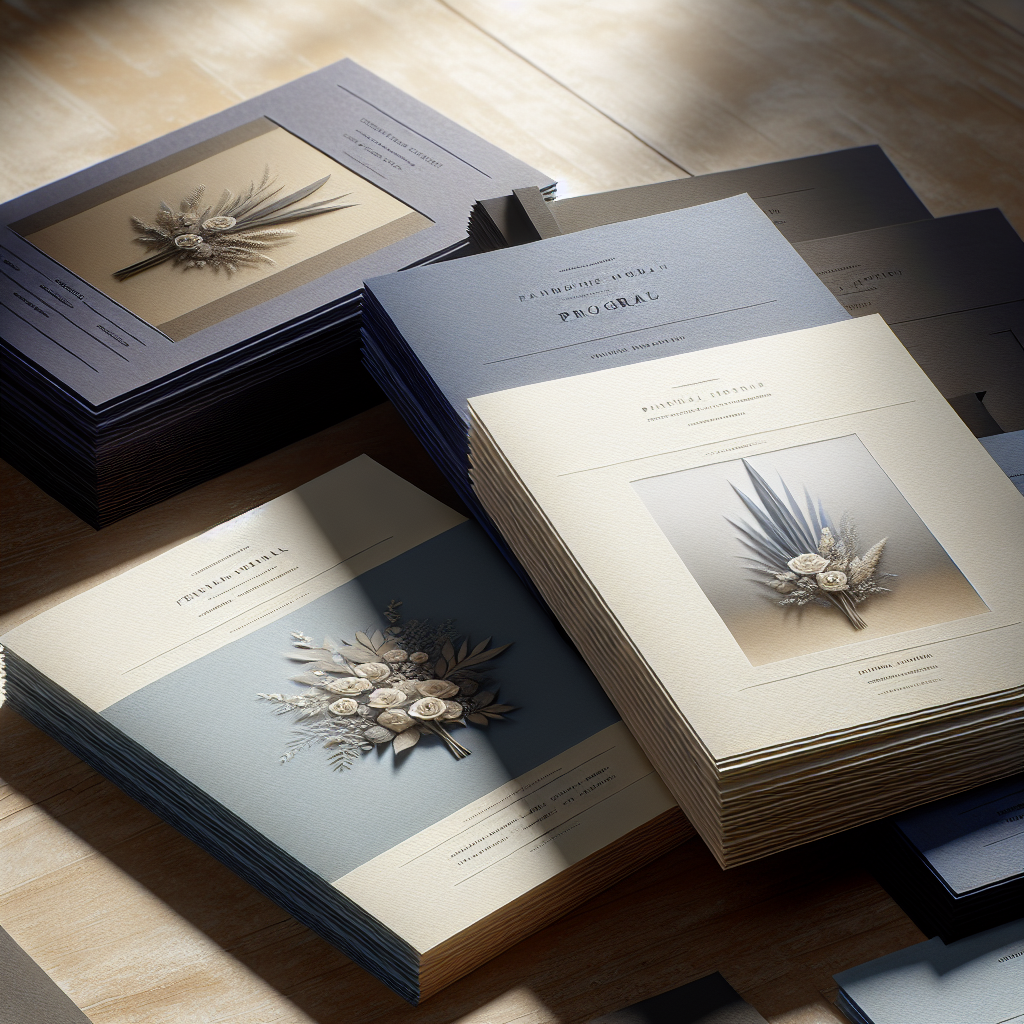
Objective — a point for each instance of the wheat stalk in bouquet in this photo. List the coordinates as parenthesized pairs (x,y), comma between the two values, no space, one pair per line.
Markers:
(232,232)
(805,558)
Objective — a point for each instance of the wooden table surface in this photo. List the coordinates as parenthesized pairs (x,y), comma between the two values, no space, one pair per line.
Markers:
(138,924)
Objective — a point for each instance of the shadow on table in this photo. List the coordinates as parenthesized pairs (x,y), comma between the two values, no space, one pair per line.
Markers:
(777,930)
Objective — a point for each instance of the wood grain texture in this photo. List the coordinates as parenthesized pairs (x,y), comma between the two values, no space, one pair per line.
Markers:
(85,80)
(716,84)
(134,921)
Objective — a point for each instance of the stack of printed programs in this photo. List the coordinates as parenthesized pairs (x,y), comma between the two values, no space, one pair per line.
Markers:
(957,866)
(979,980)
(613,295)
(348,697)
(180,309)
(809,197)
(951,288)
(793,568)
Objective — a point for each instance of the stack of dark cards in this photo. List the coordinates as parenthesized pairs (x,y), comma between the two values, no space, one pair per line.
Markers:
(957,866)
(180,309)
(951,288)
(809,197)
(978,980)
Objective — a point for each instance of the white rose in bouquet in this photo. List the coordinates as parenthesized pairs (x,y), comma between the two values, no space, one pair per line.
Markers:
(376,671)
(437,688)
(387,697)
(395,719)
(345,706)
(428,708)
(349,684)
(832,581)
(808,564)
(454,711)
(408,686)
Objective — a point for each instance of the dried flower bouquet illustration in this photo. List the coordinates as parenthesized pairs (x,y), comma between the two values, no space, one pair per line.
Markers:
(805,558)
(388,687)
(235,231)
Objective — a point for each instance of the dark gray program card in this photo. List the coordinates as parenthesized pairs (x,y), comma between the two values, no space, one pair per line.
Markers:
(809,197)
(27,994)
(952,290)
(710,1000)
(979,980)
(972,840)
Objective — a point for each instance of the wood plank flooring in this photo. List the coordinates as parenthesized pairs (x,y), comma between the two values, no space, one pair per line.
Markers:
(138,924)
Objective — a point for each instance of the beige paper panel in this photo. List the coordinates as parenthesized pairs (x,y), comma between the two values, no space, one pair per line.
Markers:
(101,240)
(694,508)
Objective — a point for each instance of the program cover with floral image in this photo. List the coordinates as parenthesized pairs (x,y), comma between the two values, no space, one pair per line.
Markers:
(807,549)
(311,692)
(264,214)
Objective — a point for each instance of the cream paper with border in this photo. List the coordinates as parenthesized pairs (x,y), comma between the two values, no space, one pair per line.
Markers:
(506,843)
(853,377)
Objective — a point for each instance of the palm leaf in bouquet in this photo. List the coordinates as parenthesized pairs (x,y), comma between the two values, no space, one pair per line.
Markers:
(802,555)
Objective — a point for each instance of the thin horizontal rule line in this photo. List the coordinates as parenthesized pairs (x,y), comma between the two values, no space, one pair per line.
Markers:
(738,437)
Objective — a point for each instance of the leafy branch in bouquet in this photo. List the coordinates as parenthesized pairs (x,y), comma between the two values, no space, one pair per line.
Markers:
(391,686)
(232,232)
(805,558)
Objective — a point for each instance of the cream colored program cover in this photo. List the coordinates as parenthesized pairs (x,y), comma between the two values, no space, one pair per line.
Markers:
(779,527)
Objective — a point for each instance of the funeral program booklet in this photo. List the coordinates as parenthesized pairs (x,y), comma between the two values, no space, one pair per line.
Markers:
(352,680)
(772,528)
(170,254)
(618,294)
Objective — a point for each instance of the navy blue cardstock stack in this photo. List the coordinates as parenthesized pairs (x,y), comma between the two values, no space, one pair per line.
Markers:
(183,308)
(957,866)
